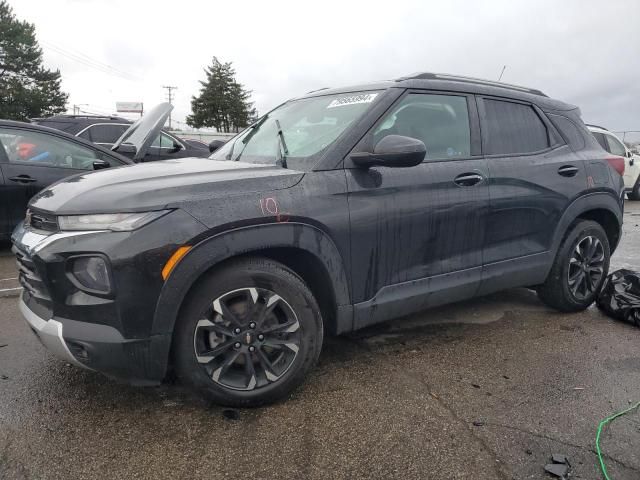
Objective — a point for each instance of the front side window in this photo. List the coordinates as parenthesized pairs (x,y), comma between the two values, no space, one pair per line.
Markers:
(35,148)
(296,133)
(615,146)
(513,128)
(441,122)
(163,141)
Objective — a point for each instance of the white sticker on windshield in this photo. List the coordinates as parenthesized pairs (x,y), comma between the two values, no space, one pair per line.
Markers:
(353,99)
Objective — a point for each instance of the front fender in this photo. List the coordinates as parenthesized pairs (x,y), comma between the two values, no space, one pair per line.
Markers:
(220,247)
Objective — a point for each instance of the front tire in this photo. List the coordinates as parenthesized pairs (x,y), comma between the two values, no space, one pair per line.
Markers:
(579,269)
(248,333)
(634,193)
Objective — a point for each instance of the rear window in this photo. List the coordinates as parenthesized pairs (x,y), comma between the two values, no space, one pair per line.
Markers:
(64,126)
(513,128)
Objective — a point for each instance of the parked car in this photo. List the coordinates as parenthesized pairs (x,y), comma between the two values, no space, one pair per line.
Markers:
(612,144)
(334,211)
(106,130)
(33,157)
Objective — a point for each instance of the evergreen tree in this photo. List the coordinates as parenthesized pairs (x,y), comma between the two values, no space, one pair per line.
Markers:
(223,103)
(27,89)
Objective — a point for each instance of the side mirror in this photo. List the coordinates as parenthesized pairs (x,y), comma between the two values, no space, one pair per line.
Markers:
(629,154)
(176,148)
(215,145)
(392,151)
(126,149)
(100,164)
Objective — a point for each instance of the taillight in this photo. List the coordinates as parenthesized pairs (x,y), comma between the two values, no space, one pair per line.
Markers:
(617,163)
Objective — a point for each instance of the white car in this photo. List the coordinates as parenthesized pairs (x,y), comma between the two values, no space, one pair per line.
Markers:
(615,146)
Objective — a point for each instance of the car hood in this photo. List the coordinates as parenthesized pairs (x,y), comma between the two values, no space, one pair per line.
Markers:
(158,185)
(144,131)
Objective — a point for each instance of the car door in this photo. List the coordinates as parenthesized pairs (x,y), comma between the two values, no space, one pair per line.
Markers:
(417,233)
(533,177)
(35,159)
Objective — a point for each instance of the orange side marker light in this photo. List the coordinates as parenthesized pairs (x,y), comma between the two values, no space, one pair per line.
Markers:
(173,260)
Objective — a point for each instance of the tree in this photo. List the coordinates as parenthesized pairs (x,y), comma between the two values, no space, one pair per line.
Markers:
(223,103)
(27,89)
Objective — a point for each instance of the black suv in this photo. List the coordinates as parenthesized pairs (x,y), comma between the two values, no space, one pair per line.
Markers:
(334,211)
(106,130)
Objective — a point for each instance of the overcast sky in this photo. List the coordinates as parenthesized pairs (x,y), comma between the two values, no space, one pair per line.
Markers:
(583,52)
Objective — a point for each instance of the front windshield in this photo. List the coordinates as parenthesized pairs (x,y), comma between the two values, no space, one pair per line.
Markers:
(296,133)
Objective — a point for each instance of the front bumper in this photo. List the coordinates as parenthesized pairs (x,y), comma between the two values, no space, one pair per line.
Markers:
(112,333)
(49,332)
(100,348)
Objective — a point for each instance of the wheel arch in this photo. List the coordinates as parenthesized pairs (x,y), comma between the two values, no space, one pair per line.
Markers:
(602,208)
(305,249)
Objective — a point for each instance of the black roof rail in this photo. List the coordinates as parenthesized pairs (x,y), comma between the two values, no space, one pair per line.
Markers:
(596,126)
(460,78)
(65,115)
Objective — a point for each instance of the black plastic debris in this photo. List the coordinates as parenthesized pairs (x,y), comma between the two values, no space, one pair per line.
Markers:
(620,296)
(560,467)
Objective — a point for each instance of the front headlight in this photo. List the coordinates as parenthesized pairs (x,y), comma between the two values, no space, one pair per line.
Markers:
(117,222)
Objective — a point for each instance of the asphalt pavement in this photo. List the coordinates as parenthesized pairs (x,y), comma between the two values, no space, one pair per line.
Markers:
(484,389)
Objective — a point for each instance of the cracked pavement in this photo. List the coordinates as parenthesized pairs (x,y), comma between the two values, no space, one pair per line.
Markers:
(484,389)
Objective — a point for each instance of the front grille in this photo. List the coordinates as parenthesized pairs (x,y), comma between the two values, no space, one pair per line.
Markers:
(41,221)
(28,275)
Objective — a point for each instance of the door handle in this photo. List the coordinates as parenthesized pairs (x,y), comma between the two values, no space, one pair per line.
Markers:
(468,179)
(568,171)
(23,179)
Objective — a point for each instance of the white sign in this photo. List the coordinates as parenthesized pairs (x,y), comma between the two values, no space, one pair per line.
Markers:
(129,107)
(353,99)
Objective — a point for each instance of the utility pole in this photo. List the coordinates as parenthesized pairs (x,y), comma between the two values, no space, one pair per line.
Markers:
(76,107)
(169,98)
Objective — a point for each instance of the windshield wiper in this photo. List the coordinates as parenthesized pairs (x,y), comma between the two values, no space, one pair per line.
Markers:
(283,151)
(254,129)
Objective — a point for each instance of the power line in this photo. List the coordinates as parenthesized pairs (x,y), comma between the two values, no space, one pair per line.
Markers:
(169,98)
(89,62)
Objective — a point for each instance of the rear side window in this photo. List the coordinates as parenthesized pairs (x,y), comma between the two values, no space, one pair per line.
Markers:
(601,140)
(104,133)
(513,128)
(615,146)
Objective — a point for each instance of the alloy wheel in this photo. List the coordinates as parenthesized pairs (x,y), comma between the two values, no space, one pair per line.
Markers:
(586,267)
(247,339)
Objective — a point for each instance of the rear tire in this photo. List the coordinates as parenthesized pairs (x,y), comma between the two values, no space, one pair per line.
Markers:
(248,333)
(579,269)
